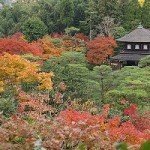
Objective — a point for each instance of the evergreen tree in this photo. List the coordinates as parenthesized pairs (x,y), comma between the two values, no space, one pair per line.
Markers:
(66,9)
(34,29)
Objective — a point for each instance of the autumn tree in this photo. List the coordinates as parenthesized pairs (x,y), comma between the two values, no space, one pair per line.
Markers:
(49,49)
(100,49)
(15,70)
(15,45)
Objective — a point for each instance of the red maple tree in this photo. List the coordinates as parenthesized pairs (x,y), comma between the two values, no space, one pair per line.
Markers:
(99,49)
(17,45)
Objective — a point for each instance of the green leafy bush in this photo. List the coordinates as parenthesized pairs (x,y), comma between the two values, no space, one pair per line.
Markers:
(131,84)
(31,57)
(123,146)
(144,62)
(34,29)
(71,30)
(57,42)
(7,106)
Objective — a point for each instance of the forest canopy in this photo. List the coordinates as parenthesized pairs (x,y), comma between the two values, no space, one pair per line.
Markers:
(92,17)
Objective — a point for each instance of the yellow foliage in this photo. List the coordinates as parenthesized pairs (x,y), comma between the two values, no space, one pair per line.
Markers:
(1,86)
(45,81)
(14,70)
(141,2)
(89,106)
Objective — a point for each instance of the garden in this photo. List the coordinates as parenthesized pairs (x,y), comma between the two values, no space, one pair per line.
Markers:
(58,90)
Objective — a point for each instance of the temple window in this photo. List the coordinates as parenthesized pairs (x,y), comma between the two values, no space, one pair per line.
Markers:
(129,46)
(145,47)
(137,46)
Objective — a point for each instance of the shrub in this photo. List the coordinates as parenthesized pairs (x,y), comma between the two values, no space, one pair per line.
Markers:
(49,49)
(7,106)
(57,42)
(144,62)
(71,30)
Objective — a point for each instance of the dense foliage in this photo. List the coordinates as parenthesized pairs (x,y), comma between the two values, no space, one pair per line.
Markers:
(131,83)
(73,129)
(37,104)
(102,17)
(57,87)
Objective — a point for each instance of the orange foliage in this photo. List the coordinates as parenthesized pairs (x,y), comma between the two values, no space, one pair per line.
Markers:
(18,36)
(82,37)
(69,44)
(14,70)
(48,47)
(100,49)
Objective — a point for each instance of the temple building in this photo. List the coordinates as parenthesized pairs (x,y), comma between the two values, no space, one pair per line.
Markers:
(136,45)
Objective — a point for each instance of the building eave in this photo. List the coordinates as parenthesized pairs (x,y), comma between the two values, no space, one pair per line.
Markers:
(127,57)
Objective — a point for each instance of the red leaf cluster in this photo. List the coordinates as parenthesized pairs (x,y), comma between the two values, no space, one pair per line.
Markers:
(131,110)
(140,121)
(72,117)
(18,36)
(116,130)
(34,102)
(100,49)
(57,35)
(13,45)
(68,130)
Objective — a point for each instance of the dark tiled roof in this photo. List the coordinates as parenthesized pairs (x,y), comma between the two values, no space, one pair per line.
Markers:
(140,52)
(128,57)
(138,35)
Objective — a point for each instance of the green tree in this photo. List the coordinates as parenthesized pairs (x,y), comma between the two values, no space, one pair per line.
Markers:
(71,31)
(71,68)
(7,22)
(132,14)
(50,15)
(66,9)
(12,18)
(118,32)
(79,12)
(104,80)
(34,29)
